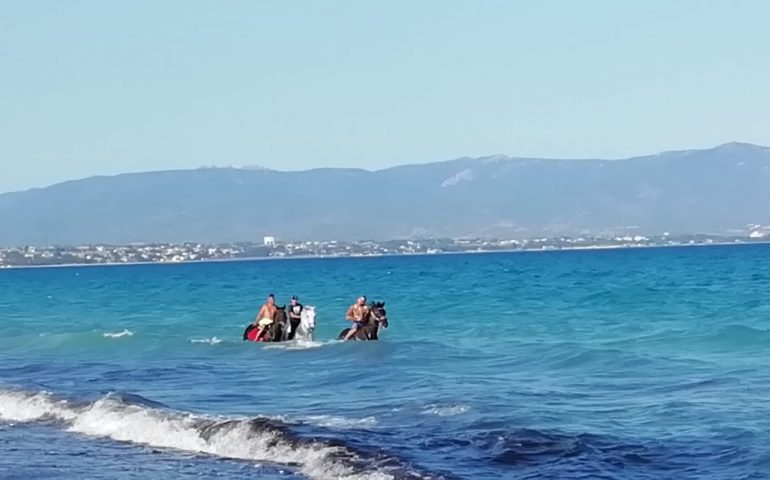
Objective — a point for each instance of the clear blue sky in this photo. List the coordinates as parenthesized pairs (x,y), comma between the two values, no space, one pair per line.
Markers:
(103,87)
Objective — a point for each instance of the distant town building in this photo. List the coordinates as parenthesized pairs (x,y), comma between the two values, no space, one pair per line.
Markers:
(191,252)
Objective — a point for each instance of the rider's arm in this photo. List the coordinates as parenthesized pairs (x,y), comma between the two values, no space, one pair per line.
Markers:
(261,311)
(350,316)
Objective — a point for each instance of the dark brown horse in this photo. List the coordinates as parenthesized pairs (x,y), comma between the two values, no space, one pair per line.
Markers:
(276,332)
(376,318)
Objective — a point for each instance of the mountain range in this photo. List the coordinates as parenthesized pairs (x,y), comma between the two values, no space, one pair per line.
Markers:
(714,190)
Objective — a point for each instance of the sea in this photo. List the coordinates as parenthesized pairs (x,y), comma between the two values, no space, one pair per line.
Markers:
(602,364)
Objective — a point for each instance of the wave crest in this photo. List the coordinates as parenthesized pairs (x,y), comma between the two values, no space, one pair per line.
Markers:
(253,439)
(125,333)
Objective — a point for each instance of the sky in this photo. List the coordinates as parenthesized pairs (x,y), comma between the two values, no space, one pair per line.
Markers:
(95,88)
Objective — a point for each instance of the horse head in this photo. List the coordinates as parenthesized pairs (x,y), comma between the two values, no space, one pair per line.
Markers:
(308,318)
(280,314)
(379,314)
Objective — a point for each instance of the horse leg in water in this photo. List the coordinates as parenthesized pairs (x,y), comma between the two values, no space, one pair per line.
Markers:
(276,332)
(371,332)
(285,331)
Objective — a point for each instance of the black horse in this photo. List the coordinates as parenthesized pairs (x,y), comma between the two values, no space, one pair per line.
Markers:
(276,332)
(376,318)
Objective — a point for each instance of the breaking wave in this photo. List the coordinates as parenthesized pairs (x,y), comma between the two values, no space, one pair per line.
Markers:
(125,333)
(130,418)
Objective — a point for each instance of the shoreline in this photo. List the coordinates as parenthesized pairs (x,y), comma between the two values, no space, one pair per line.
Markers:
(383,255)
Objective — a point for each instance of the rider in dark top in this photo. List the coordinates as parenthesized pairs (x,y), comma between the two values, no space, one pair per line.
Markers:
(295,315)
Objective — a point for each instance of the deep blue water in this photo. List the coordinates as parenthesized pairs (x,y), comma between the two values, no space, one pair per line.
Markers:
(633,364)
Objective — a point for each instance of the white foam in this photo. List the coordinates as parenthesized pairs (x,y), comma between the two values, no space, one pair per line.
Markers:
(25,407)
(109,418)
(298,345)
(339,422)
(210,341)
(445,410)
(125,333)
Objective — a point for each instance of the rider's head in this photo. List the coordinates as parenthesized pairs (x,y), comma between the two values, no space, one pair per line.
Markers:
(294,299)
(271,299)
(361,300)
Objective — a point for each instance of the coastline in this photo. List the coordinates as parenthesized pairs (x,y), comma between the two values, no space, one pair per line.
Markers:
(383,255)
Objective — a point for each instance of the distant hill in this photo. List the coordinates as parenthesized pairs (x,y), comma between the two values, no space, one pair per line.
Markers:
(709,191)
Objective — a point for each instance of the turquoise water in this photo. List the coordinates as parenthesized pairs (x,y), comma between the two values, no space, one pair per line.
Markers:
(638,364)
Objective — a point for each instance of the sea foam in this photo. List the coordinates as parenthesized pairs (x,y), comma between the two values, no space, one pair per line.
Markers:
(298,345)
(445,410)
(210,341)
(125,333)
(252,439)
(332,421)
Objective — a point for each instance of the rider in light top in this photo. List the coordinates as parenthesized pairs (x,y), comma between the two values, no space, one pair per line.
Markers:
(357,314)
(295,316)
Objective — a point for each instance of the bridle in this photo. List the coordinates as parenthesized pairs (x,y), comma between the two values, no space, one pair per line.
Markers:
(380,318)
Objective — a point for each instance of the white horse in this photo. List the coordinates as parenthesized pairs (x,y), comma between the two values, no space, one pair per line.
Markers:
(306,325)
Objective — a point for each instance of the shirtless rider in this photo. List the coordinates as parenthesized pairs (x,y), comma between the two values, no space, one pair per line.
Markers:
(357,314)
(266,315)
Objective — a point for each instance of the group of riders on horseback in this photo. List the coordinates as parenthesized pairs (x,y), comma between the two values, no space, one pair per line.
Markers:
(276,324)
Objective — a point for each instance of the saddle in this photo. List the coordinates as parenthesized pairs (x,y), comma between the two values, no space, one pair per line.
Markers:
(254,333)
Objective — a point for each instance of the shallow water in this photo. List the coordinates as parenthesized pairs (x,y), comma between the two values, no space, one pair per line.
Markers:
(639,364)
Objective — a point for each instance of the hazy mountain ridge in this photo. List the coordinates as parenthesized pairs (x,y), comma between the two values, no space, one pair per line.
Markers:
(711,190)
